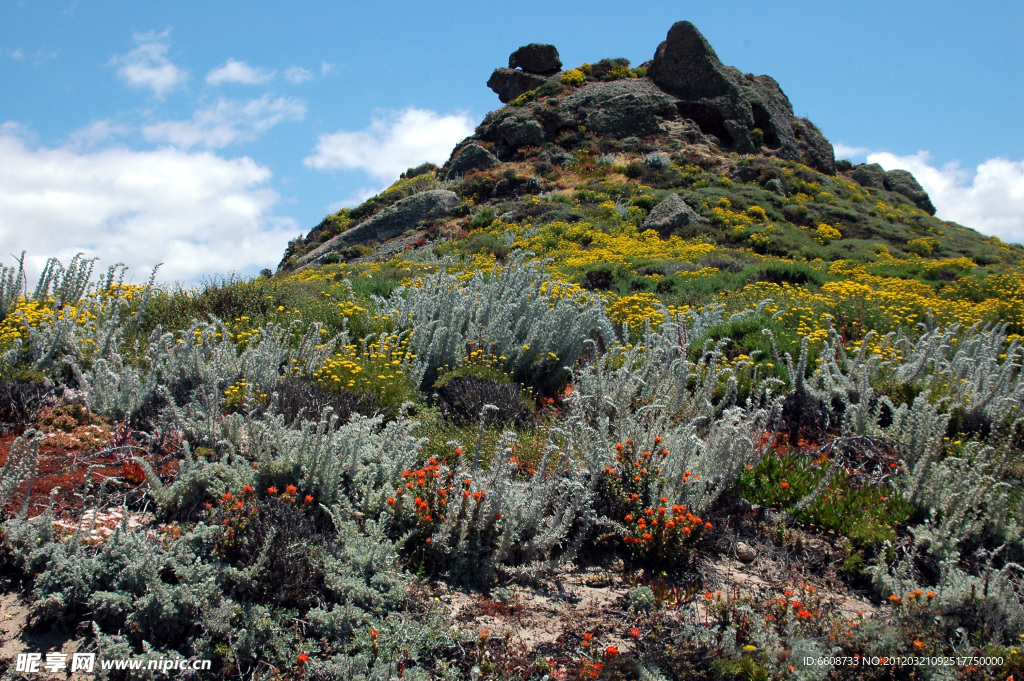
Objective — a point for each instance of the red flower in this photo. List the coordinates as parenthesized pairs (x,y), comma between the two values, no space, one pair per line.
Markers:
(610,652)
(291,489)
(303,658)
(391,501)
(784,485)
(458,450)
(247,489)
(373,633)
(309,499)
(634,632)
(227,497)
(271,491)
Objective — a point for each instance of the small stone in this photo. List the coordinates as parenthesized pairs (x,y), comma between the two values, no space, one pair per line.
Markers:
(745,552)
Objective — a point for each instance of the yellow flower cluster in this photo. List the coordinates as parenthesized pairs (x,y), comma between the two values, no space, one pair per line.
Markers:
(640,308)
(825,233)
(381,367)
(582,244)
(862,302)
(31,312)
(241,392)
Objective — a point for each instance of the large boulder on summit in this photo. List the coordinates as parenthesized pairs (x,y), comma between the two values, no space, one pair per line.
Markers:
(470,157)
(730,105)
(510,83)
(390,222)
(902,182)
(672,216)
(536,58)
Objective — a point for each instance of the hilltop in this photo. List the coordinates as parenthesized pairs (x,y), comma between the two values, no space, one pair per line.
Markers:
(700,150)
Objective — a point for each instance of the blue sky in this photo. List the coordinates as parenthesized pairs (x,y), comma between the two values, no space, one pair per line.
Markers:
(205,135)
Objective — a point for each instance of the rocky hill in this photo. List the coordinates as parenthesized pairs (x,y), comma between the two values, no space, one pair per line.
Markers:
(657,136)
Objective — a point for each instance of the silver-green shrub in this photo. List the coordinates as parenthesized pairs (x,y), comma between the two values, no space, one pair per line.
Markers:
(513,312)
(20,464)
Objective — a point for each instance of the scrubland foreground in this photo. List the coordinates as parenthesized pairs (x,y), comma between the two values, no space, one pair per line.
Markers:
(671,398)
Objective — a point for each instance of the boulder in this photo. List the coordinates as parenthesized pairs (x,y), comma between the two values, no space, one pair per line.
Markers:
(870,175)
(471,157)
(390,222)
(510,83)
(536,58)
(902,182)
(672,216)
(745,552)
(775,185)
(730,105)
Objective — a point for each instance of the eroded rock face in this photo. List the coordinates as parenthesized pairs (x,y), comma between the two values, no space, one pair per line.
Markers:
(620,108)
(390,222)
(730,105)
(536,58)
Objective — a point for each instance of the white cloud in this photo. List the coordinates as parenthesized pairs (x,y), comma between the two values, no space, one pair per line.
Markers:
(990,200)
(227,122)
(233,71)
(850,153)
(147,65)
(297,74)
(325,68)
(393,142)
(198,213)
(17,54)
(97,132)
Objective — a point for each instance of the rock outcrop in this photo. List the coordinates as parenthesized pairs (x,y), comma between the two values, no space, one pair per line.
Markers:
(903,182)
(390,222)
(733,106)
(870,175)
(536,58)
(685,81)
(873,176)
(528,68)
(510,83)
(469,158)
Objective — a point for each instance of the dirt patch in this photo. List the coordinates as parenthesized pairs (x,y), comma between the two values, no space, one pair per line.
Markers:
(15,638)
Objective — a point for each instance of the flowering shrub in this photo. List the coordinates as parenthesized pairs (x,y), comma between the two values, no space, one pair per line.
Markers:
(380,366)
